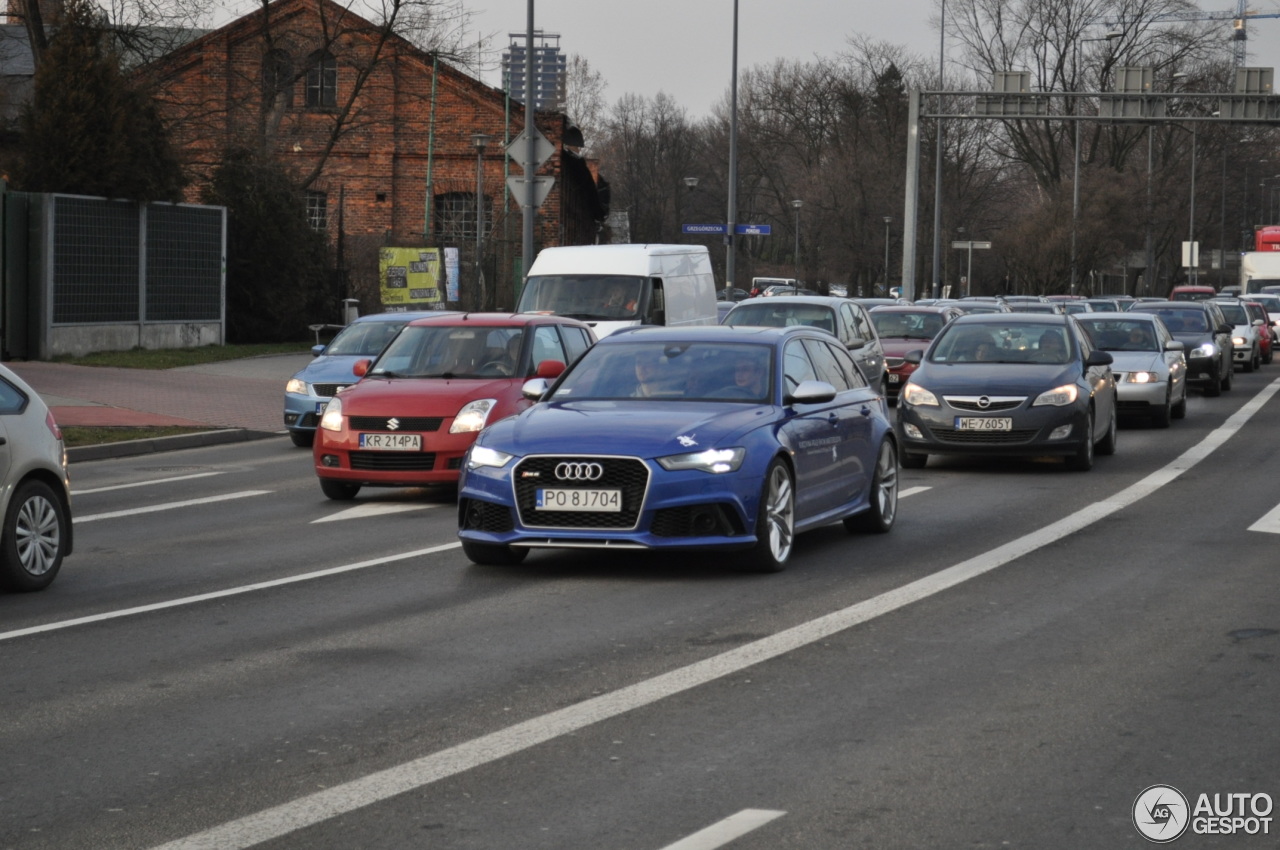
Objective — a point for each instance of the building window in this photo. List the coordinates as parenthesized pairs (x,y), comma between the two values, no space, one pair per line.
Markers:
(322,81)
(455,215)
(318,211)
(277,79)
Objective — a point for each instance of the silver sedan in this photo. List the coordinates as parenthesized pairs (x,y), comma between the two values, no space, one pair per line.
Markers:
(1149,364)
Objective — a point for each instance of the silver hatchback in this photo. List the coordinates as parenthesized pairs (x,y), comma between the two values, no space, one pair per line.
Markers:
(35,491)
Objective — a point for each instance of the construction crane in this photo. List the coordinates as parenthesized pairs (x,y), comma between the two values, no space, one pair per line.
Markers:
(1239,17)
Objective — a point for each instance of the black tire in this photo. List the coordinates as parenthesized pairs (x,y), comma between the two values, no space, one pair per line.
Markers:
(493,555)
(879,517)
(1180,409)
(1270,355)
(1251,364)
(1213,388)
(1107,445)
(1228,375)
(1082,460)
(339,491)
(1161,416)
(911,460)
(302,439)
(34,538)
(775,521)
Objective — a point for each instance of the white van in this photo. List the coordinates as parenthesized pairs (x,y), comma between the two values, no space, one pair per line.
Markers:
(617,286)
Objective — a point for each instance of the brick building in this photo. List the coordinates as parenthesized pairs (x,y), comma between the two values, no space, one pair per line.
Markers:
(379,134)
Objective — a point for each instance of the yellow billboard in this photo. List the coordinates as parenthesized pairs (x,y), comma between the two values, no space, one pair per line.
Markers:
(411,278)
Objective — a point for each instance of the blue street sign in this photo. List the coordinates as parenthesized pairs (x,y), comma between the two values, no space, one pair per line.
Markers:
(753,229)
(704,228)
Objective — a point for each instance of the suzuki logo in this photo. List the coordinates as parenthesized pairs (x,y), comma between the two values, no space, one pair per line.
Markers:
(579,471)
(393,424)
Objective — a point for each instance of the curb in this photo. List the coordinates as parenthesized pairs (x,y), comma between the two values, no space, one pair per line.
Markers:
(132,448)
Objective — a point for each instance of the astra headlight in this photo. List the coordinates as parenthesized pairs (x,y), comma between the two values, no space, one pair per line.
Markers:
(918,395)
(1058,396)
(481,456)
(708,460)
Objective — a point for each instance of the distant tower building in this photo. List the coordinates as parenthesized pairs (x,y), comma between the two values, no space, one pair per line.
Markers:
(549,69)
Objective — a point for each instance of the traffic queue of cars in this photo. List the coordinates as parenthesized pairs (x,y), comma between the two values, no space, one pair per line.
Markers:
(740,436)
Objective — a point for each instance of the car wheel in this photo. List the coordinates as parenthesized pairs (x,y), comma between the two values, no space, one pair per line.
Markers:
(1180,409)
(775,521)
(1213,387)
(1250,364)
(302,439)
(1257,361)
(1082,460)
(911,460)
(1270,355)
(339,491)
(879,517)
(1228,375)
(35,538)
(493,555)
(1161,416)
(1107,445)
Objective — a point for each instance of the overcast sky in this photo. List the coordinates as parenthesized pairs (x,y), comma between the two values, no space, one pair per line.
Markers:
(685,47)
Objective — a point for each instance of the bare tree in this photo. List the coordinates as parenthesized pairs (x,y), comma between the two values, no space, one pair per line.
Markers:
(584,99)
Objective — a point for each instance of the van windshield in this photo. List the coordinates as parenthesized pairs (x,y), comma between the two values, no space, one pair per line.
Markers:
(586,297)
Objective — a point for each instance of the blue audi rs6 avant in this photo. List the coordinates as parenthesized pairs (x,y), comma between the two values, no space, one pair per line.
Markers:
(707,437)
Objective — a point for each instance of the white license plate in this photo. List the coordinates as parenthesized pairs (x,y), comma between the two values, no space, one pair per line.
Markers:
(391,442)
(893,379)
(598,501)
(984,423)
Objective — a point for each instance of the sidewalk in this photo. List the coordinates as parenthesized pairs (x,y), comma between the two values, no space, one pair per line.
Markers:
(236,399)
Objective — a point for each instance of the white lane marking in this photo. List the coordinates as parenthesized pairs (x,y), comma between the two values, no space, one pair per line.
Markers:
(720,834)
(168,506)
(219,594)
(911,491)
(338,800)
(1269,523)
(372,509)
(144,483)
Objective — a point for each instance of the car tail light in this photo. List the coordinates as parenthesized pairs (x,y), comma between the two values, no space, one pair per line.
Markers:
(52,425)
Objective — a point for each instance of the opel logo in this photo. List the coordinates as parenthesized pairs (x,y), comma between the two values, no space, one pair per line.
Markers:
(393,424)
(579,471)
(984,403)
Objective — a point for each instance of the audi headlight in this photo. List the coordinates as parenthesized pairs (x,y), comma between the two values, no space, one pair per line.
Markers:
(481,456)
(918,395)
(1058,396)
(1206,350)
(709,460)
(472,416)
(1143,378)
(332,419)
(296,387)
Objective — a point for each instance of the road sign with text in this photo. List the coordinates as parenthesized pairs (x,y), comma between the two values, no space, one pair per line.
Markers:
(710,229)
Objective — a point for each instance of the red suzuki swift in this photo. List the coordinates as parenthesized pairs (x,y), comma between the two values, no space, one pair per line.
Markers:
(416,410)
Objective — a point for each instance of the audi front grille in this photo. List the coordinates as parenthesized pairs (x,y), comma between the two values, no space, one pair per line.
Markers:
(629,475)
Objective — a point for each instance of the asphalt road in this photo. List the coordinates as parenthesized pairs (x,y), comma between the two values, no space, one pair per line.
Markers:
(230,659)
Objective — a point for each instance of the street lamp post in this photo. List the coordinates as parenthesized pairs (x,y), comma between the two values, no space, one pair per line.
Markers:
(937,166)
(480,141)
(797,203)
(1075,180)
(887,221)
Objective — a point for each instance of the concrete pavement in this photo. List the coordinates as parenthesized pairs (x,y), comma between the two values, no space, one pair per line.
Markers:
(235,399)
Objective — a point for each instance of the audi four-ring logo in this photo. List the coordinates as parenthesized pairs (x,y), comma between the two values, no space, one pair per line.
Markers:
(579,471)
